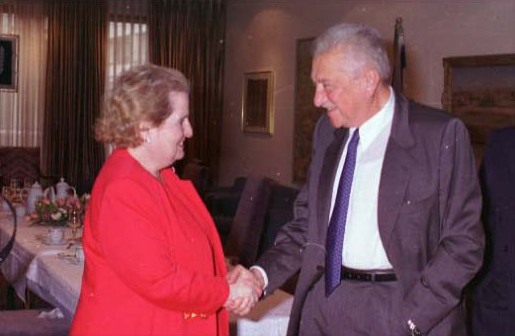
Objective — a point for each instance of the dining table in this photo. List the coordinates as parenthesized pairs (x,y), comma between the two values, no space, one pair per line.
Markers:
(35,262)
(53,273)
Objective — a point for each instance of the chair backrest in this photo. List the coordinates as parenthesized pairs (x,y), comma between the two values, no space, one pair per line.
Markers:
(248,222)
(5,250)
(19,162)
(280,212)
(198,174)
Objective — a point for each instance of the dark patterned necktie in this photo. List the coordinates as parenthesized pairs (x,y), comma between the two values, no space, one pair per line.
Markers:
(336,230)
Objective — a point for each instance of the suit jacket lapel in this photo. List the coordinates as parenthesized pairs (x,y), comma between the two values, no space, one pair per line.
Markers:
(396,171)
(327,176)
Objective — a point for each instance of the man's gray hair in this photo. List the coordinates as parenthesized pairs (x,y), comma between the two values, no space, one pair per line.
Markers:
(362,43)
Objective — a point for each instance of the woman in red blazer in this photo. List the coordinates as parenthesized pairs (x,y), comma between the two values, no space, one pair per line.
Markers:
(154,263)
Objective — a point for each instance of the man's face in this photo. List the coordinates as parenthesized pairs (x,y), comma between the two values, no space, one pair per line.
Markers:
(338,90)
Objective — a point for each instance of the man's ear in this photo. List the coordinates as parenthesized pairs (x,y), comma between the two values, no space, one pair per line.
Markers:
(371,80)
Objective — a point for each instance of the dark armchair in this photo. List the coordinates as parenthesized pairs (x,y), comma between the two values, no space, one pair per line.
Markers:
(198,173)
(280,212)
(20,163)
(222,203)
(247,225)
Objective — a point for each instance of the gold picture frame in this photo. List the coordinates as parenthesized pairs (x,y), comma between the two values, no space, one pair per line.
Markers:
(9,46)
(479,90)
(258,102)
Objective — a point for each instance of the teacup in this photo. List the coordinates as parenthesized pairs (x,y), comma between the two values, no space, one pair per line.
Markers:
(21,211)
(55,235)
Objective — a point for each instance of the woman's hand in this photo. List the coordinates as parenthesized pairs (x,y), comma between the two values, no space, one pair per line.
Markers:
(244,292)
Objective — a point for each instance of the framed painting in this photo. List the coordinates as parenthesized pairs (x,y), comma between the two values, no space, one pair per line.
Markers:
(257,105)
(480,90)
(9,45)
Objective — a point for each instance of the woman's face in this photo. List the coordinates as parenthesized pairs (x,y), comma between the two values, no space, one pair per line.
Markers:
(167,139)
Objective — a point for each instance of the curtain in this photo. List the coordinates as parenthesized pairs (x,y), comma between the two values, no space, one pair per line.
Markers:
(189,36)
(21,117)
(75,82)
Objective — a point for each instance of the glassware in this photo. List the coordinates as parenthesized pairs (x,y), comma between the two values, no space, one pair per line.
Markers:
(27,183)
(6,192)
(74,222)
(14,186)
(14,183)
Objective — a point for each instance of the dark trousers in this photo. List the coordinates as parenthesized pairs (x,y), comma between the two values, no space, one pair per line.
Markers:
(354,308)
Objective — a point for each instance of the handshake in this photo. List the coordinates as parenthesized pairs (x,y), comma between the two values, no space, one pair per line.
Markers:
(245,289)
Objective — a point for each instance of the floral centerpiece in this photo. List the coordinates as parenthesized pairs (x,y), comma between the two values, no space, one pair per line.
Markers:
(56,213)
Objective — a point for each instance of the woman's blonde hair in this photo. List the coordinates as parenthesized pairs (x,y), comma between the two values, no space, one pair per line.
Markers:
(140,94)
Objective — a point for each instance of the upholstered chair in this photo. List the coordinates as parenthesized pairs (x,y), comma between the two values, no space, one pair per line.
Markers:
(19,162)
(247,225)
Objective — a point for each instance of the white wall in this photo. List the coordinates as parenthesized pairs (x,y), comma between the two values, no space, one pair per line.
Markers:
(261,35)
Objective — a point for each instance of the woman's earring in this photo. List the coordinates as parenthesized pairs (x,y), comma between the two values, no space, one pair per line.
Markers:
(147,139)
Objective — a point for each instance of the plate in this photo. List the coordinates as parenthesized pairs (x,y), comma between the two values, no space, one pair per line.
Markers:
(47,241)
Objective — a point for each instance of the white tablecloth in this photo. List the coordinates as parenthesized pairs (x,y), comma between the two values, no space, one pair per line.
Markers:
(269,318)
(57,281)
(26,249)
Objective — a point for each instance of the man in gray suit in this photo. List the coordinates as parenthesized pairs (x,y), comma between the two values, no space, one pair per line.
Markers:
(412,235)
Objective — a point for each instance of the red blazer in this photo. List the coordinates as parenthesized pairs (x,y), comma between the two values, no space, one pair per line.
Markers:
(154,262)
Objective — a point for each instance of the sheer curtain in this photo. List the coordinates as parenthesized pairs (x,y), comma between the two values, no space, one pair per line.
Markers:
(21,117)
(128,36)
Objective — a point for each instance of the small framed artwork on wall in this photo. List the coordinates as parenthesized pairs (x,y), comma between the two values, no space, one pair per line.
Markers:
(257,104)
(9,45)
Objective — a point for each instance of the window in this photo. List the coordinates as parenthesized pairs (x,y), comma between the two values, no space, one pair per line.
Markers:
(127,47)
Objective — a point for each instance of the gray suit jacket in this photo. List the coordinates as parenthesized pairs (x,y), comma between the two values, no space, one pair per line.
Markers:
(428,213)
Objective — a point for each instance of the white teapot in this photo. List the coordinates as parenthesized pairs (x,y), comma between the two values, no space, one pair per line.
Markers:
(62,189)
(35,193)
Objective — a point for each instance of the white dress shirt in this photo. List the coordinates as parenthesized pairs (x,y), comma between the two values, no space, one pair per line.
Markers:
(362,246)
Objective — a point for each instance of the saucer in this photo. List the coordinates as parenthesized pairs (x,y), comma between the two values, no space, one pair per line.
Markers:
(70,258)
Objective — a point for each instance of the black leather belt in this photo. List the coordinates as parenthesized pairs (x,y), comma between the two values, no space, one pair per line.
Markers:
(371,276)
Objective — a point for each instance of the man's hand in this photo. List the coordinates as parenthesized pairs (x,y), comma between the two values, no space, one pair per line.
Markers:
(245,290)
